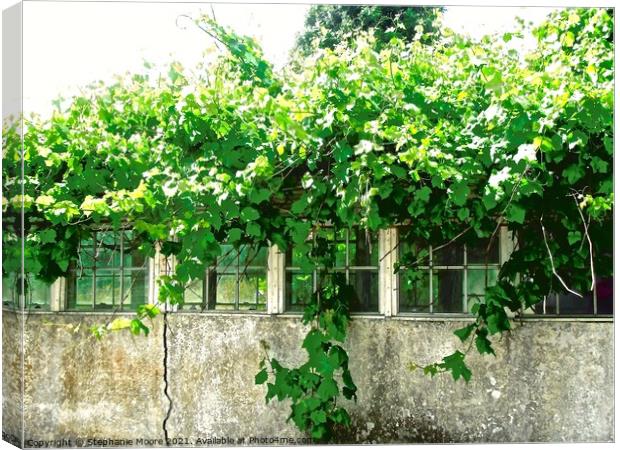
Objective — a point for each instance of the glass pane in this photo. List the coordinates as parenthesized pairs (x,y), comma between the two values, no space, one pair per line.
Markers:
(414,252)
(476,281)
(366,285)
(605,296)
(38,293)
(449,291)
(193,295)
(136,288)
(363,248)
(226,291)
(108,249)
(256,257)
(547,306)
(298,291)
(108,289)
(9,290)
(476,253)
(253,291)
(227,262)
(413,293)
(452,255)
(87,253)
(80,290)
(572,304)
(293,256)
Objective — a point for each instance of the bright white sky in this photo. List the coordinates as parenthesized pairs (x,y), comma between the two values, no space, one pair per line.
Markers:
(67,45)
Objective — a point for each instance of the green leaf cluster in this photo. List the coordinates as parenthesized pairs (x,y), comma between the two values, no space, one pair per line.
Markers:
(315,386)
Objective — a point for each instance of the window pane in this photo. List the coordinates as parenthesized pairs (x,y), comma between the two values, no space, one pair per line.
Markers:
(413,293)
(449,291)
(226,292)
(295,256)
(250,256)
(476,280)
(86,254)
(476,253)
(298,290)
(605,296)
(108,285)
(80,290)
(363,248)
(136,287)
(452,255)
(547,306)
(569,304)
(253,291)
(107,249)
(193,295)
(38,294)
(10,290)
(227,262)
(366,285)
(414,252)
(572,304)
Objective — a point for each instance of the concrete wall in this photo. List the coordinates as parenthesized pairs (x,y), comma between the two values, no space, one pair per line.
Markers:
(551,381)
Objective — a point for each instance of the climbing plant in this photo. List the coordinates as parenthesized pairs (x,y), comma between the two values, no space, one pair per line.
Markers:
(313,387)
(457,138)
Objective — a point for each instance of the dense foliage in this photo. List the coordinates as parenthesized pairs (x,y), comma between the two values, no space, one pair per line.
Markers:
(313,387)
(328,26)
(457,138)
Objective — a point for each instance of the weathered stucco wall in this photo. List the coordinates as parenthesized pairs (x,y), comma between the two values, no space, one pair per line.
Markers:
(550,381)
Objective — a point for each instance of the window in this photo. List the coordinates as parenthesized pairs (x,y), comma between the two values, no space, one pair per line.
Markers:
(110,273)
(448,279)
(238,282)
(37,292)
(356,255)
(556,304)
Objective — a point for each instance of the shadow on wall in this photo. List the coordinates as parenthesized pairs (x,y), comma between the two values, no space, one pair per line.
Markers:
(373,429)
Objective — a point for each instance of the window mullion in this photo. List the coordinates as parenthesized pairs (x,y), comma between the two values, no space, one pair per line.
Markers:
(276,280)
(430,280)
(388,281)
(346,253)
(465,293)
(95,257)
(238,281)
(122,271)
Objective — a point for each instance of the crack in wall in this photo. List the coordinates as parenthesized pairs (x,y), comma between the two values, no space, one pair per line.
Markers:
(165,376)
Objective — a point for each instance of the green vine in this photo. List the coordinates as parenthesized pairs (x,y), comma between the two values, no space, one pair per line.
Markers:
(313,387)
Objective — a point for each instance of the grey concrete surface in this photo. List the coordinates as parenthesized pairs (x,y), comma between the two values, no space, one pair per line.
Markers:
(552,381)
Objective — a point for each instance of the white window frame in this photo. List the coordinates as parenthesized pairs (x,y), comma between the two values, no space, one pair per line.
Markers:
(388,289)
(278,298)
(163,265)
(391,286)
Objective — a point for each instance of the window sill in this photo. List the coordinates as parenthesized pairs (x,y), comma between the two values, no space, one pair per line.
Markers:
(413,317)
(363,315)
(575,318)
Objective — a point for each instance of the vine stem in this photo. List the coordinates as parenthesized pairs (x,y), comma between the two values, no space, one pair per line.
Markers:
(544,233)
(587,233)
(439,247)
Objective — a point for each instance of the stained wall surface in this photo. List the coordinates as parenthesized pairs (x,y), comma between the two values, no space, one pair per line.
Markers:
(550,381)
